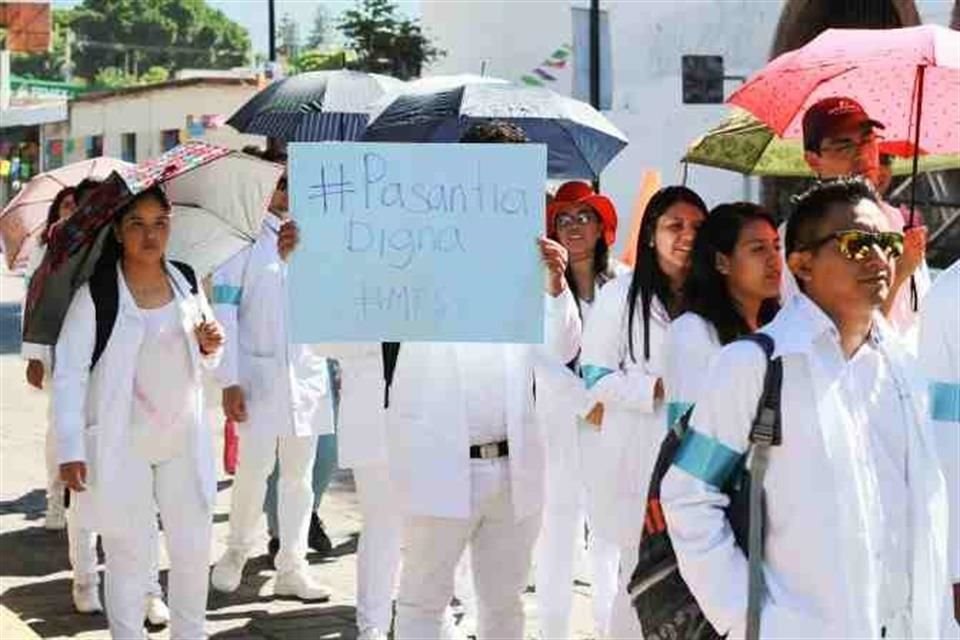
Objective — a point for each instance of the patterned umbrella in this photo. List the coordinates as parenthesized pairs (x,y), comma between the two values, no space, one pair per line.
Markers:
(746,145)
(25,216)
(580,140)
(314,106)
(219,198)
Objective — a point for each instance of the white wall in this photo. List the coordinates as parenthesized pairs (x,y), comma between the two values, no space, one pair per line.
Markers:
(648,38)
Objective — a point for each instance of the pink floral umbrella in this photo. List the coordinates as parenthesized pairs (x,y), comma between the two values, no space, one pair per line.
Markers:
(25,216)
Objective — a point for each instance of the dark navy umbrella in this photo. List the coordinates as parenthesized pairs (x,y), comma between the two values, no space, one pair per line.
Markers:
(314,106)
(580,140)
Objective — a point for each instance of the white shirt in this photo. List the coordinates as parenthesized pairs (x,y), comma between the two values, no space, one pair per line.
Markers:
(483,377)
(163,387)
(873,399)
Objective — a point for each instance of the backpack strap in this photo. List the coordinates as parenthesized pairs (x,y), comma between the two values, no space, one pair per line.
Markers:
(189,275)
(764,433)
(390,351)
(106,300)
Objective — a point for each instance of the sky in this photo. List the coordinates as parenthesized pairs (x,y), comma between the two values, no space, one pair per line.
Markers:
(252,14)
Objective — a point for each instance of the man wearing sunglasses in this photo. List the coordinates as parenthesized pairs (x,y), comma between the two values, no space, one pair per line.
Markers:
(855,503)
(840,139)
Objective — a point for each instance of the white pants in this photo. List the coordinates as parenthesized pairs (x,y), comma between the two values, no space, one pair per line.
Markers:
(378,554)
(258,455)
(501,547)
(561,535)
(187,522)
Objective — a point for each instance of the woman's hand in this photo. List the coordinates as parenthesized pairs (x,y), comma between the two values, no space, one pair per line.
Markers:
(287,239)
(35,373)
(74,475)
(209,336)
(554,256)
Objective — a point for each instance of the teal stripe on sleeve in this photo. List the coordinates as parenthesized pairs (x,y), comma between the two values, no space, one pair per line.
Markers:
(945,401)
(592,374)
(675,411)
(706,458)
(227,294)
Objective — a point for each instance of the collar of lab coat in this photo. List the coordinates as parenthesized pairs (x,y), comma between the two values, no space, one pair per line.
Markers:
(802,322)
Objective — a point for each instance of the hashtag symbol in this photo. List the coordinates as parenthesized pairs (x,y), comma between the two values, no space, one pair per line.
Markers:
(327,190)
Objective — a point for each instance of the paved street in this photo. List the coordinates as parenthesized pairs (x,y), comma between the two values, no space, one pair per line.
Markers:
(34,571)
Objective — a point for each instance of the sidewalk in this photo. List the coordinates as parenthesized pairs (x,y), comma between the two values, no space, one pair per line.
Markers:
(34,569)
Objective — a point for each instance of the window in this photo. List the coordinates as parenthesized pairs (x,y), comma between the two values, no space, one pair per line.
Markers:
(54,154)
(128,147)
(94,146)
(169,138)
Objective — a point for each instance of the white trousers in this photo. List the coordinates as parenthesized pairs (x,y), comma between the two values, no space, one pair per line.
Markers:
(378,553)
(501,548)
(187,523)
(561,538)
(258,455)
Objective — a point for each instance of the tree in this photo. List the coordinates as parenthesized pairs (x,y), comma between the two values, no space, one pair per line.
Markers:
(314,60)
(385,41)
(288,37)
(140,34)
(113,78)
(155,75)
(320,33)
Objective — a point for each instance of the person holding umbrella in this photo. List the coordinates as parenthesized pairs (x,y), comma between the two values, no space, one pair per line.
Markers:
(128,414)
(840,139)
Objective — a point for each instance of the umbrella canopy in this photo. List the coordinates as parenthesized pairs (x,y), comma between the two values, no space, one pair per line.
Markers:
(895,74)
(580,140)
(25,216)
(744,144)
(229,203)
(314,106)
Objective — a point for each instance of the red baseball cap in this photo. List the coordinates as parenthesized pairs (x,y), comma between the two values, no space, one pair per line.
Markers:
(576,192)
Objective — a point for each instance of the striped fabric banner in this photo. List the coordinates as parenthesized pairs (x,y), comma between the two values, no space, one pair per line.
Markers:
(945,401)
(227,294)
(707,458)
(592,374)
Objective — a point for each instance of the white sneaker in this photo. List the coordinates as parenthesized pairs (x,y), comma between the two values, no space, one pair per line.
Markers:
(371,633)
(158,615)
(86,598)
(228,571)
(56,516)
(298,584)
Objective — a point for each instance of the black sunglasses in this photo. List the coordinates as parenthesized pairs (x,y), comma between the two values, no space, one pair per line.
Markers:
(855,244)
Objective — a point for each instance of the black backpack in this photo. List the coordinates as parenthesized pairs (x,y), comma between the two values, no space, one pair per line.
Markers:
(106,300)
(661,598)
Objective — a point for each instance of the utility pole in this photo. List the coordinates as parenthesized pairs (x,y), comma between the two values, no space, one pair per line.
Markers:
(595,65)
(272,26)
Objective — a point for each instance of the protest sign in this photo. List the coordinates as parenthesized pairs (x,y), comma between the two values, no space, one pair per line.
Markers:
(417,242)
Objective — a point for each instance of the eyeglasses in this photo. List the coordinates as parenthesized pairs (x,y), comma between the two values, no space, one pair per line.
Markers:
(850,148)
(581,218)
(855,244)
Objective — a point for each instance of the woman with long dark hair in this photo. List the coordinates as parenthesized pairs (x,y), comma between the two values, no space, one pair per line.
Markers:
(585,223)
(621,364)
(128,413)
(733,289)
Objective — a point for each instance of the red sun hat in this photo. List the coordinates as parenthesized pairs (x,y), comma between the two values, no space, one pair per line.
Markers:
(576,192)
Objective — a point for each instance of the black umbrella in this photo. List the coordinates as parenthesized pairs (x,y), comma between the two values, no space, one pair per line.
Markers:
(313,106)
(580,140)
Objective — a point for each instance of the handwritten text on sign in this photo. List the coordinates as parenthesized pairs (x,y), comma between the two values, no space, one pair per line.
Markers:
(417,242)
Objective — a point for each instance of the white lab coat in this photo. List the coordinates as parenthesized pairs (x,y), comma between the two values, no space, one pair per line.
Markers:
(692,343)
(426,422)
(633,423)
(92,408)
(286,385)
(940,359)
(819,568)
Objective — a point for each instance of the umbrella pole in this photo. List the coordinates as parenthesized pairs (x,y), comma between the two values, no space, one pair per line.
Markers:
(921,70)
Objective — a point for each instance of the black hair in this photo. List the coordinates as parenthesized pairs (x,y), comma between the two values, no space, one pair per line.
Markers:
(153,193)
(649,280)
(813,205)
(706,291)
(53,213)
(270,154)
(85,187)
(494,131)
(602,269)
